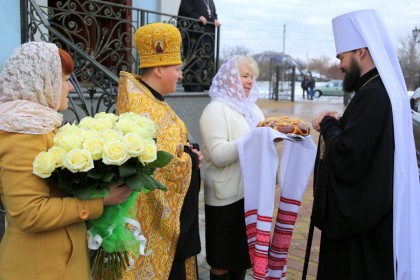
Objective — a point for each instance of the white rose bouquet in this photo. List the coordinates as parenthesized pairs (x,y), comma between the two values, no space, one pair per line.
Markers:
(87,159)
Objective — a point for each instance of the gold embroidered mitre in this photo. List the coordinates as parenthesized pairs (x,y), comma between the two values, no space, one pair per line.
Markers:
(158,44)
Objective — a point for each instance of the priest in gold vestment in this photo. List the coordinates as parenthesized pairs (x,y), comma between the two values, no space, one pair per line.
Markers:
(169,220)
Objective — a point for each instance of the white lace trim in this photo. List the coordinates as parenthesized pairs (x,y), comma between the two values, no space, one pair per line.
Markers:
(30,89)
(227,88)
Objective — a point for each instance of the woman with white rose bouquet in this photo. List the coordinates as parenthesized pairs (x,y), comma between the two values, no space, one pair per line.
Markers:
(46,229)
(87,159)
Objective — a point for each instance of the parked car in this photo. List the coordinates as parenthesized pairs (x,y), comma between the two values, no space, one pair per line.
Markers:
(415,114)
(332,88)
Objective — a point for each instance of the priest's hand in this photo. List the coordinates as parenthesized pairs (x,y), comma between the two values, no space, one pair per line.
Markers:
(318,118)
(203,20)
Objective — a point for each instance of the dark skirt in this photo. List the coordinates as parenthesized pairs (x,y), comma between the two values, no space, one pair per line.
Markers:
(226,241)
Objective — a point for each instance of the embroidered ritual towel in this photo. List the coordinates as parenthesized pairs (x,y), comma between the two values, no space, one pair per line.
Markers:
(259,160)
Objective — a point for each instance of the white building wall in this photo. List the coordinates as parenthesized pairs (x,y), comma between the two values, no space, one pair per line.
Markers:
(169,6)
(9,29)
(162,6)
(146,5)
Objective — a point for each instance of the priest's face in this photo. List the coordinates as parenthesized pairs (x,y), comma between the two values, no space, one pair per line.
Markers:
(350,67)
(170,75)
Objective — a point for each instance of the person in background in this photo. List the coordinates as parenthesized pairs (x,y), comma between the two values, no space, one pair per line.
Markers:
(231,113)
(45,237)
(304,85)
(169,220)
(311,85)
(367,193)
(202,44)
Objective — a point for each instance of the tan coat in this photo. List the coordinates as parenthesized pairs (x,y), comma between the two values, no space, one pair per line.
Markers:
(46,233)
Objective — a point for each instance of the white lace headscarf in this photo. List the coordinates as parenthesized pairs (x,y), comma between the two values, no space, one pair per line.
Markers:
(227,88)
(30,89)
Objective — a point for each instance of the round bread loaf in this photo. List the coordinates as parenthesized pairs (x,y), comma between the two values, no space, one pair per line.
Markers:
(286,125)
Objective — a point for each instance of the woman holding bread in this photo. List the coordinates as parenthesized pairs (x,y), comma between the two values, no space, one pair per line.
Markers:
(231,113)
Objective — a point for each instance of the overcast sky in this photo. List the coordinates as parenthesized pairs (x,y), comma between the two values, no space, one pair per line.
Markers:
(258,24)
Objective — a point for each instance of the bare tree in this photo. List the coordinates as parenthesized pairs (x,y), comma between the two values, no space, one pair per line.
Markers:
(300,65)
(320,65)
(408,55)
(237,50)
(333,72)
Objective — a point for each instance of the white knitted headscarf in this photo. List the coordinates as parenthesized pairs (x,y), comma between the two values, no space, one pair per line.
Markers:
(366,29)
(227,88)
(30,89)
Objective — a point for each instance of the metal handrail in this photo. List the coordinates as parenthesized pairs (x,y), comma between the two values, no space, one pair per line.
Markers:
(47,25)
(99,37)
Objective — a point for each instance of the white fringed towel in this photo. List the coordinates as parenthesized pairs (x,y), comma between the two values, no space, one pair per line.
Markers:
(259,161)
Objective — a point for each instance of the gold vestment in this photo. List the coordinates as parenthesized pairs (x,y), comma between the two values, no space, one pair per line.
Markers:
(159,211)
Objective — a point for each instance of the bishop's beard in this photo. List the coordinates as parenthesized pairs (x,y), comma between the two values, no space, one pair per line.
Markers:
(352,75)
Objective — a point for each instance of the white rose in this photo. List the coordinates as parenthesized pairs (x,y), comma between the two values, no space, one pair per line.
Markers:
(132,122)
(134,144)
(114,153)
(102,124)
(111,134)
(67,127)
(69,139)
(94,146)
(86,122)
(150,151)
(129,115)
(110,116)
(59,154)
(89,133)
(126,125)
(146,127)
(43,165)
(78,160)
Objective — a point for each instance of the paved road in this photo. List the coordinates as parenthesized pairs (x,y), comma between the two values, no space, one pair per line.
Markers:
(304,109)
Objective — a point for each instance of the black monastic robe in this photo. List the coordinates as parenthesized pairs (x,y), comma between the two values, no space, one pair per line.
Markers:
(353,190)
(198,46)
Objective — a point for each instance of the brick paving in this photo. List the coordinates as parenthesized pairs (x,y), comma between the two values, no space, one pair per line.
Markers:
(306,110)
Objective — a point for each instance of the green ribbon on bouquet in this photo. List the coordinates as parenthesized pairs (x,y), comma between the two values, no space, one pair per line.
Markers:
(113,235)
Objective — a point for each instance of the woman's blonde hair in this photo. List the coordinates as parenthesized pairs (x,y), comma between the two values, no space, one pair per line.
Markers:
(243,60)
